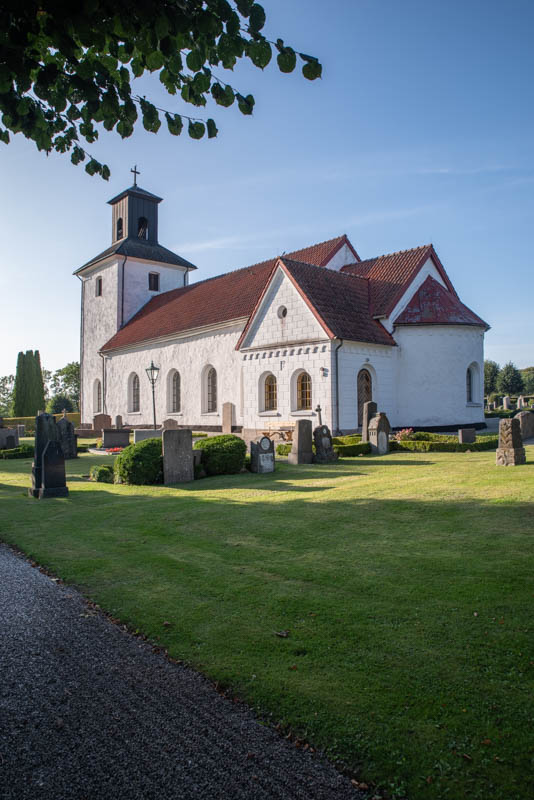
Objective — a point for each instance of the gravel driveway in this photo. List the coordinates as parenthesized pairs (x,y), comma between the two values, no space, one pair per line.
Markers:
(88,711)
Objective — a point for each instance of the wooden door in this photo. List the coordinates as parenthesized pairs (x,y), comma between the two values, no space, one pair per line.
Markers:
(365,392)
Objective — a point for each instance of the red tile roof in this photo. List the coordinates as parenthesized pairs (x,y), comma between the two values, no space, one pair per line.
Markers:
(390,275)
(219,299)
(434,305)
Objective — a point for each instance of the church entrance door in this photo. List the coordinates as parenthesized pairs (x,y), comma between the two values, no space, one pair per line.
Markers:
(365,392)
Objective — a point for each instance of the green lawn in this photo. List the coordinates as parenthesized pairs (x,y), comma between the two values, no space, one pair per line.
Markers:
(405,583)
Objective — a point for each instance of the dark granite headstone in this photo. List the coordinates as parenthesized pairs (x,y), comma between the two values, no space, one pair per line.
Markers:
(467,435)
(118,422)
(53,472)
(67,438)
(301,448)
(45,431)
(113,437)
(324,452)
(262,455)
(177,456)
(510,452)
(379,429)
(369,410)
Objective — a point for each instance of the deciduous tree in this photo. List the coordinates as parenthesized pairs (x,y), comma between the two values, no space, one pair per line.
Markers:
(509,380)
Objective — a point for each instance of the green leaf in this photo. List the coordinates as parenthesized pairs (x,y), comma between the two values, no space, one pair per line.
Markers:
(137,67)
(256,18)
(105,172)
(93,167)
(244,6)
(4,136)
(196,130)
(287,60)
(194,60)
(223,97)
(155,60)
(161,25)
(260,53)
(312,70)
(174,123)
(212,129)
(246,104)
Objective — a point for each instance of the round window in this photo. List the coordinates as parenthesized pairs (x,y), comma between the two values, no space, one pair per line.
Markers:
(282,312)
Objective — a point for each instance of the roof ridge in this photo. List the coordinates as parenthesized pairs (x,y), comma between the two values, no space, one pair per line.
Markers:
(395,253)
(325,270)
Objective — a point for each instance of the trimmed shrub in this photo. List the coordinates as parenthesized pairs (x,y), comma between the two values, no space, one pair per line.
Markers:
(101,473)
(357,449)
(222,455)
(58,402)
(140,464)
(283,449)
(451,446)
(352,438)
(25,450)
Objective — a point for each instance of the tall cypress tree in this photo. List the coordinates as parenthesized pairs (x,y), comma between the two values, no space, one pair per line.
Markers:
(20,388)
(38,397)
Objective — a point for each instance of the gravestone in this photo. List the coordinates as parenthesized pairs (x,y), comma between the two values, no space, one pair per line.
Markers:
(21,430)
(227,417)
(467,435)
(521,401)
(118,422)
(262,455)
(53,472)
(115,437)
(45,433)
(101,421)
(369,410)
(324,451)
(170,425)
(379,429)
(506,403)
(526,423)
(301,447)
(147,433)
(9,438)
(67,438)
(510,452)
(177,456)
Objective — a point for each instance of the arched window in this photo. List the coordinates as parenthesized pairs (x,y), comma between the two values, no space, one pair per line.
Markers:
(469,384)
(119,228)
(211,386)
(304,392)
(142,228)
(133,393)
(174,392)
(365,391)
(270,399)
(97,397)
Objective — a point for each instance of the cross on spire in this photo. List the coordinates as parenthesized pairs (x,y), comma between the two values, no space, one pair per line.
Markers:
(135,174)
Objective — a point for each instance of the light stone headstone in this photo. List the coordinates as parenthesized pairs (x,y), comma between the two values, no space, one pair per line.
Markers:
(301,447)
(101,421)
(379,429)
(140,434)
(177,456)
(467,435)
(227,417)
(506,403)
(324,451)
(170,425)
(67,438)
(521,401)
(510,452)
(262,455)
(369,410)
(526,423)
(118,422)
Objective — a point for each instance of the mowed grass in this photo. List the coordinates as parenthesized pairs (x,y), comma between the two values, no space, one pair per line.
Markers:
(405,583)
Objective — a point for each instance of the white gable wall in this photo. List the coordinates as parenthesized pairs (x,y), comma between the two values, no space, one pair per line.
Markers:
(343,257)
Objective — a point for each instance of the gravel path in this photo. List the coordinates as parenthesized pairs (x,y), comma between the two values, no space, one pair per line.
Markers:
(88,711)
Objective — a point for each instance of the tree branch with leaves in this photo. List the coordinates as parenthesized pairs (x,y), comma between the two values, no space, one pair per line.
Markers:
(67,68)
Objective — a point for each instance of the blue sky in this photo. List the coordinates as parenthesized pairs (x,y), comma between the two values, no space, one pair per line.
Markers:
(421,130)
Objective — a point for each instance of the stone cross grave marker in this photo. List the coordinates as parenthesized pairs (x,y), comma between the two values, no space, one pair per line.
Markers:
(369,410)
(262,455)
(67,438)
(177,456)
(379,429)
(318,412)
(324,451)
(510,452)
(301,448)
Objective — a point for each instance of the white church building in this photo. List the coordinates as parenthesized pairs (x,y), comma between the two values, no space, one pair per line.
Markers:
(316,327)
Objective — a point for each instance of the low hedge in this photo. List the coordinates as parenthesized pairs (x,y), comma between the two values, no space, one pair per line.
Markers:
(283,449)
(29,422)
(353,438)
(102,473)
(222,455)
(454,446)
(24,450)
(140,464)
(356,449)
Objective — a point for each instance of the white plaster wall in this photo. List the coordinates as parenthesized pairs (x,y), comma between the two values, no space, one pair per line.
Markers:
(189,356)
(343,257)
(136,292)
(100,321)
(432,365)
(428,268)
(284,363)
(299,324)
(381,362)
